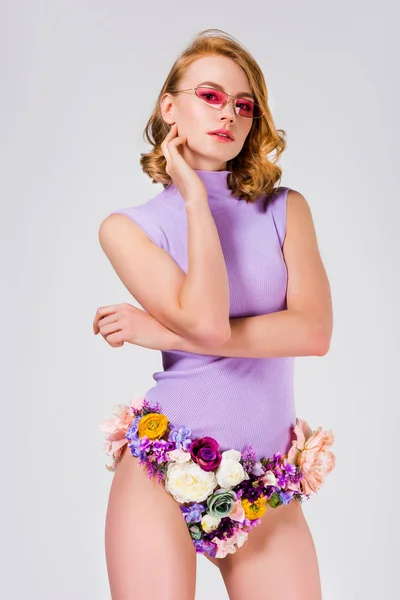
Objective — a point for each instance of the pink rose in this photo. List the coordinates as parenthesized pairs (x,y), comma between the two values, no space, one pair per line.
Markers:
(310,453)
(237,513)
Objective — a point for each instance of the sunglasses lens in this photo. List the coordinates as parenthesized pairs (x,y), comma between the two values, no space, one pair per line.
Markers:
(243,106)
(211,96)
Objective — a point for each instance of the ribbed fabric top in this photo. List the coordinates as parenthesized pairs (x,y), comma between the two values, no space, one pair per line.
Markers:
(237,401)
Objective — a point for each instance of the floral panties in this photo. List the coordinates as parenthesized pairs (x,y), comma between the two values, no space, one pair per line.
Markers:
(222,494)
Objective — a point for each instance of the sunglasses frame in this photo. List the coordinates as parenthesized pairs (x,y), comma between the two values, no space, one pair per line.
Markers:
(208,87)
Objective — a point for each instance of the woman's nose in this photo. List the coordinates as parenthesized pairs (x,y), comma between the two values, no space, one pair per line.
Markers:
(229,108)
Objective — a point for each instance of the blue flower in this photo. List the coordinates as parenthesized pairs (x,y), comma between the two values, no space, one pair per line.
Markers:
(181,437)
(286,497)
(204,546)
(133,428)
(193,513)
(135,447)
(140,447)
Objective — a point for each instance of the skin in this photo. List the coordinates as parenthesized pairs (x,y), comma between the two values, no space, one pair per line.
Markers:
(194,118)
(279,559)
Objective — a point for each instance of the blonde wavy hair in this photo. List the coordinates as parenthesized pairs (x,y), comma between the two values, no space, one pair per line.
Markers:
(253,171)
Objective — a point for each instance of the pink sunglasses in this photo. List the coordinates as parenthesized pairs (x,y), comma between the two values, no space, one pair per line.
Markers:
(219,98)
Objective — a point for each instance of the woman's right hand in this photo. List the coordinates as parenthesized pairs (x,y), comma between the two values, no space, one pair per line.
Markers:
(183,176)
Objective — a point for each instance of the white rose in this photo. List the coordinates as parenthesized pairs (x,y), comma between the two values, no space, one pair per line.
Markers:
(269,478)
(179,455)
(188,482)
(230,471)
(208,522)
(235,454)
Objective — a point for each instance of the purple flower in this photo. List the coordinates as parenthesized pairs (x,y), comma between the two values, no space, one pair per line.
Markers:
(160,448)
(205,452)
(248,458)
(282,479)
(205,546)
(290,468)
(181,437)
(140,447)
(193,513)
(251,488)
(257,469)
(148,408)
(133,429)
(286,497)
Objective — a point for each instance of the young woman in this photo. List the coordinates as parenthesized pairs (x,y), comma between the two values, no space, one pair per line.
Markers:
(227,267)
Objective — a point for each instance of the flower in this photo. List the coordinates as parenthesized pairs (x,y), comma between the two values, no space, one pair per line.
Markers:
(227,545)
(205,546)
(195,531)
(121,419)
(285,497)
(310,452)
(293,486)
(210,522)
(225,493)
(133,429)
(237,513)
(179,455)
(248,458)
(140,447)
(181,437)
(192,513)
(153,425)
(205,452)
(161,450)
(115,428)
(230,472)
(188,482)
(254,510)
(220,503)
(240,537)
(269,478)
(257,469)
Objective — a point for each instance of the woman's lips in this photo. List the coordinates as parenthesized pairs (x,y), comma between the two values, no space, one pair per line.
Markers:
(220,138)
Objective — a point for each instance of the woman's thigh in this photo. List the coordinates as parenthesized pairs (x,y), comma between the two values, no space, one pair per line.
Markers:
(278,560)
(149,551)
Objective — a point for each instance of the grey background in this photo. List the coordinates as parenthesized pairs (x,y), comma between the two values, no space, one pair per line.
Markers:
(78,82)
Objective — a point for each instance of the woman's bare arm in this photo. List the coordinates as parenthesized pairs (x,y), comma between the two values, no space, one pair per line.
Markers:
(305,328)
(194,305)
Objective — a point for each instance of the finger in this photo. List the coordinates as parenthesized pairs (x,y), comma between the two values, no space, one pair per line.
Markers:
(107,309)
(173,147)
(101,312)
(170,135)
(116,338)
(114,345)
(108,327)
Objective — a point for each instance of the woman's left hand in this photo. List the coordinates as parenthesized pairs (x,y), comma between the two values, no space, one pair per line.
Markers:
(120,323)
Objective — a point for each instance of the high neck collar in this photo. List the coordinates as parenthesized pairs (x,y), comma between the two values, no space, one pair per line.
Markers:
(215,182)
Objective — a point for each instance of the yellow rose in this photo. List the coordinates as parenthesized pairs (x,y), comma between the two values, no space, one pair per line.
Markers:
(153,425)
(256,509)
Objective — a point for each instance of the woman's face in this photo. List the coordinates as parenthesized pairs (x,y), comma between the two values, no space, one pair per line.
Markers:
(195,118)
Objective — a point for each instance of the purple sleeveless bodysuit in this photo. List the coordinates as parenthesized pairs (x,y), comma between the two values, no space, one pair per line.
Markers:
(237,401)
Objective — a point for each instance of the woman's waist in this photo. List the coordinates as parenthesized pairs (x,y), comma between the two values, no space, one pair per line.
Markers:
(233,417)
